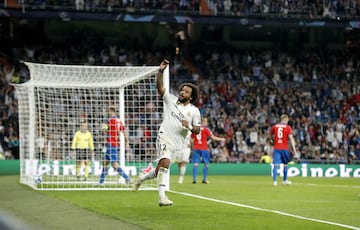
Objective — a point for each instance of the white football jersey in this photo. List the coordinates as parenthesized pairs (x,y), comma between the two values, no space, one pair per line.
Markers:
(171,128)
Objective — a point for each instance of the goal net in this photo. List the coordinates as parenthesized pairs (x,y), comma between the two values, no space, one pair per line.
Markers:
(58,98)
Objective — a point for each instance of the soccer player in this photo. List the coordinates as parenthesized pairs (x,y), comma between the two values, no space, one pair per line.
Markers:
(114,127)
(180,117)
(184,158)
(83,145)
(282,133)
(201,149)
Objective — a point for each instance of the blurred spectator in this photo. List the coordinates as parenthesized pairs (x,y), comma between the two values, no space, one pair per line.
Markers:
(14,147)
(265,158)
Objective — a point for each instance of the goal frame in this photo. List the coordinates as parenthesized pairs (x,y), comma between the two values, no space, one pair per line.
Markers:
(29,166)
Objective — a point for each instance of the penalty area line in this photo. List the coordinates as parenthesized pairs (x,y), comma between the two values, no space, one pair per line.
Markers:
(265,210)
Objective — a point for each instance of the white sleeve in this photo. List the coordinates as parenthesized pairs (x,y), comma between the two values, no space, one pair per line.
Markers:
(196,120)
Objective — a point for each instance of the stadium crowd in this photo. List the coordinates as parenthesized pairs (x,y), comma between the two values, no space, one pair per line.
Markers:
(243,92)
(288,8)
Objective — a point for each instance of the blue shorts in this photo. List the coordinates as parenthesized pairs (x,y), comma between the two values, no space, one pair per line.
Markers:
(198,154)
(281,157)
(111,153)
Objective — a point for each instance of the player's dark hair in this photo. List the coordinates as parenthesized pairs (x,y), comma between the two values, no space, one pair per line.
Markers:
(194,91)
(112,108)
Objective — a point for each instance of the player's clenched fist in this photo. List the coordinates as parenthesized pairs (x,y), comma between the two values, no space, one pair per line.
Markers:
(163,65)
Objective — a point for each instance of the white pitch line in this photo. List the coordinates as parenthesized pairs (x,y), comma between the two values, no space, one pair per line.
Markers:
(266,210)
(332,186)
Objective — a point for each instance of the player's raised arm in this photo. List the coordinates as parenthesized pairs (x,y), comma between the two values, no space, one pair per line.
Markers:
(159,77)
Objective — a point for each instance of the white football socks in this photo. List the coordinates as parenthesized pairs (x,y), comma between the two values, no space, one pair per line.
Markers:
(147,176)
(182,170)
(161,179)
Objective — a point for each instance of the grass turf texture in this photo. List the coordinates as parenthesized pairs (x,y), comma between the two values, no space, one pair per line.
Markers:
(231,204)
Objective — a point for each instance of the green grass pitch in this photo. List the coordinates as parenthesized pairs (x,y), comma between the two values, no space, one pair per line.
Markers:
(228,202)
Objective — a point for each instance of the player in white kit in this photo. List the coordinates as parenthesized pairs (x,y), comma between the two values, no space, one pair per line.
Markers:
(180,117)
(184,158)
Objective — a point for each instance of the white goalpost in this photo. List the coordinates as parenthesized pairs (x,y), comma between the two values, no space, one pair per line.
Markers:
(57,98)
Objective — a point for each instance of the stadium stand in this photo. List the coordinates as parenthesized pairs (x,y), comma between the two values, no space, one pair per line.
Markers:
(243,90)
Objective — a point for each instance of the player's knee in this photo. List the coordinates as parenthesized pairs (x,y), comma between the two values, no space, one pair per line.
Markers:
(165,163)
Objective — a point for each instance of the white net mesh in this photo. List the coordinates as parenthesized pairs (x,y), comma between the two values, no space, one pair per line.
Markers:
(58,98)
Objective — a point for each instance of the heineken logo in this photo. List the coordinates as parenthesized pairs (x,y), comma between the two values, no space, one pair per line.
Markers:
(56,168)
(309,170)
